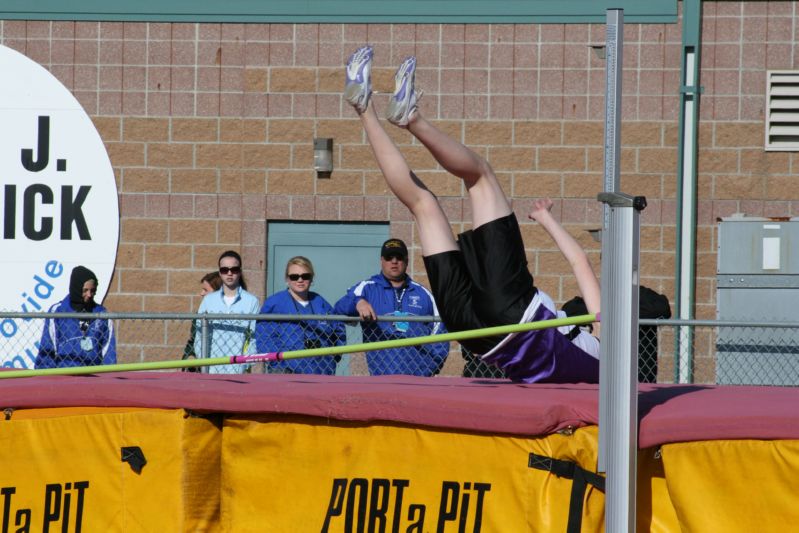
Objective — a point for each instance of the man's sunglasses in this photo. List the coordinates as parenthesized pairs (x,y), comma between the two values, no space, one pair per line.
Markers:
(305,277)
(230,270)
(394,256)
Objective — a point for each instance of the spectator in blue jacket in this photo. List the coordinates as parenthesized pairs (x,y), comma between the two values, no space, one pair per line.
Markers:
(77,342)
(283,336)
(234,336)
(393,292)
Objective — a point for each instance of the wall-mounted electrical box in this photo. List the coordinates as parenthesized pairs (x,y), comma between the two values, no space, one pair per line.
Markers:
(758,281)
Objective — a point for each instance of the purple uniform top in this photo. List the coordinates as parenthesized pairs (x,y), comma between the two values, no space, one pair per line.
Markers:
(546,355)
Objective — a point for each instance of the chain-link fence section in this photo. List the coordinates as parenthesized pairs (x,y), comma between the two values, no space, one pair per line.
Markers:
(728,353)
(670,351)
(47,340)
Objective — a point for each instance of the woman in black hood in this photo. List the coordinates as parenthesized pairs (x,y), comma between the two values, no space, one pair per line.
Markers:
(82,288)
(85,341)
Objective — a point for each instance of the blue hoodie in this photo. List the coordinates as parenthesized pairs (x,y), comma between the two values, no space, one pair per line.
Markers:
(76,342)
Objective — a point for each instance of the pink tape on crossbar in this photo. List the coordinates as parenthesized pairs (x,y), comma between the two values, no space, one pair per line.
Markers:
(269,356)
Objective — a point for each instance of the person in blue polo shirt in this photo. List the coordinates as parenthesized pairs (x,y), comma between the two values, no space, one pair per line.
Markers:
(393,292)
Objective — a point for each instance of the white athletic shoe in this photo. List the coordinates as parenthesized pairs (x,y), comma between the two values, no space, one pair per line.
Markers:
(402,104)
(358,86)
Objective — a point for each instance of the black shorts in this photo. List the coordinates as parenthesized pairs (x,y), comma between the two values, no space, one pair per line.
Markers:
(485,283)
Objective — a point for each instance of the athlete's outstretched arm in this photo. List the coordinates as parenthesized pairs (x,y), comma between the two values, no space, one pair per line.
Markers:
(572,251)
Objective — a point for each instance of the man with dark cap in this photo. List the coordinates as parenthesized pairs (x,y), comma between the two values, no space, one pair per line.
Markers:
(78,342)
(393,292)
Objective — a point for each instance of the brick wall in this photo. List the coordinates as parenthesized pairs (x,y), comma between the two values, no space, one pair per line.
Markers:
(209,128)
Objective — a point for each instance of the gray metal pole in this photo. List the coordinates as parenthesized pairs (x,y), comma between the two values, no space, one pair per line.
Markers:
(619,358)
(614,40)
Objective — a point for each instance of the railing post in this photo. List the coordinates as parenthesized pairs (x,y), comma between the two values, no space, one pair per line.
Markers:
(205,333)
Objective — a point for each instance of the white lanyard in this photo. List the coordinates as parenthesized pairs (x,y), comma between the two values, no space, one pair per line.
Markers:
(398,296)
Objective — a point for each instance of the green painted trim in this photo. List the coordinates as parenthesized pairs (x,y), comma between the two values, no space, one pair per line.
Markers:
(691,40)
(332,11)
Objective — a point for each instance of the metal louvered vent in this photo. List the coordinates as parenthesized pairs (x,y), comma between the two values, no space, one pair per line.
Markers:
(782,119)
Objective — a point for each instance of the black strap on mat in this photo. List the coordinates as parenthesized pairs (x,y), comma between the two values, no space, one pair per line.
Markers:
(580,477)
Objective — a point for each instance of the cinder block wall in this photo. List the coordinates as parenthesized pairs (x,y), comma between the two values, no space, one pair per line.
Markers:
(209,128)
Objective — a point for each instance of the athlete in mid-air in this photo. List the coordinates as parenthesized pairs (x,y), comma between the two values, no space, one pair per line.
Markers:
(481,279)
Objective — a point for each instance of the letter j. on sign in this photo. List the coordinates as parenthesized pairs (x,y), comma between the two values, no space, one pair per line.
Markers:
(58,200)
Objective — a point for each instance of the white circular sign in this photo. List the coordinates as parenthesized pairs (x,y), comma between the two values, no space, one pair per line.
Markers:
(58,200)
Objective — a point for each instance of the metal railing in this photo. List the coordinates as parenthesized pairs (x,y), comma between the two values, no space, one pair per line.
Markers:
(727,352)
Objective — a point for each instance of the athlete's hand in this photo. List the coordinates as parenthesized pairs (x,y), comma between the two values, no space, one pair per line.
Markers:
(365,310)
(541,207)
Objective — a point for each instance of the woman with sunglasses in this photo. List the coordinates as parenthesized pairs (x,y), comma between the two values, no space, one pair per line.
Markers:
(228,337)
(282,336)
